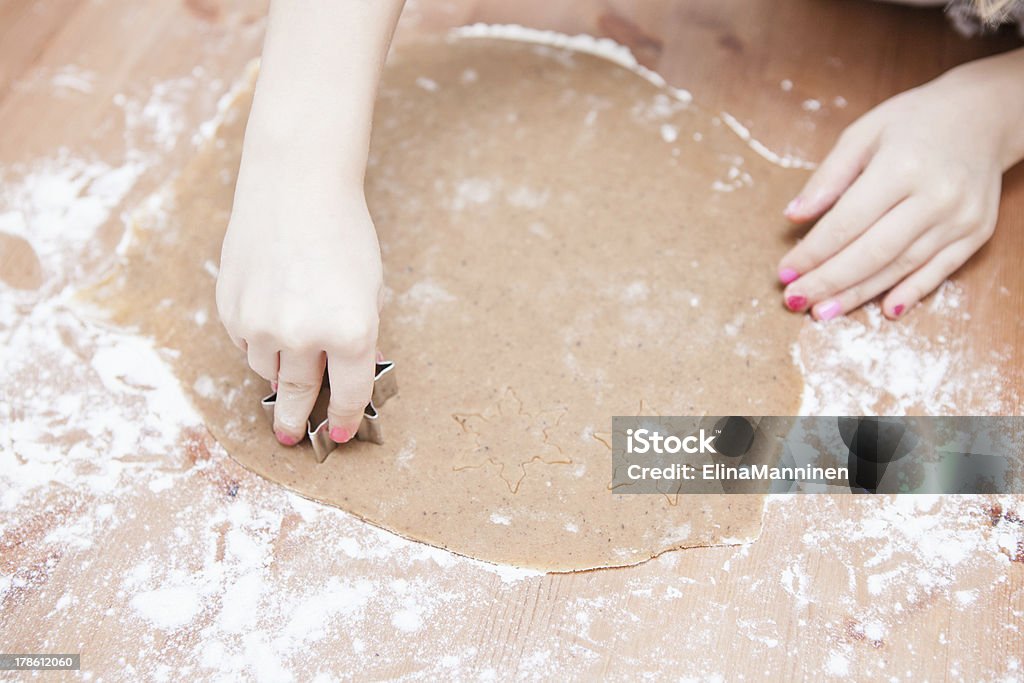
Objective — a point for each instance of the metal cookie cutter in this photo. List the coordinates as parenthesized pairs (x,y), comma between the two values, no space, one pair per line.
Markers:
(384,387)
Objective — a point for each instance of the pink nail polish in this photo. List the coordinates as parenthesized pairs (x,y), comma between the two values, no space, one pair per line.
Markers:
(793,206)
(340,435)
(796,303)
(273,386)
(829,310)
(787,275)
(898,310)
(285,439)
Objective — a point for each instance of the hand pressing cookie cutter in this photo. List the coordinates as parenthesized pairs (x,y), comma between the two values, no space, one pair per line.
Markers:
(384,387)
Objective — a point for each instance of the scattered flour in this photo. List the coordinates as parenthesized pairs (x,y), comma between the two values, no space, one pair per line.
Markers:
(406,620)
(811,105)
(838,665)
(160,114)
(471,191)
(427,84)
(783,160)
(735,178)
(898,369)
(528,197)
(57,204)
(67,81)
(599,47)
(215,576)
(167,608)
(414,305)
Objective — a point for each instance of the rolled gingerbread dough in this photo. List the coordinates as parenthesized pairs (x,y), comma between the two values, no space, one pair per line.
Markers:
(563,242)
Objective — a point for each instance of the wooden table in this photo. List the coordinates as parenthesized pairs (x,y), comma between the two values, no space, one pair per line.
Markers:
(187,566)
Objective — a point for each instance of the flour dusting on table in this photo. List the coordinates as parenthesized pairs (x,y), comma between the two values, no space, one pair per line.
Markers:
(866,364)
(242,579)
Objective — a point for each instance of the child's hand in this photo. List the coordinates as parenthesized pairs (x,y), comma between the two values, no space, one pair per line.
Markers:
(300,281)
(909,193)
(300,286)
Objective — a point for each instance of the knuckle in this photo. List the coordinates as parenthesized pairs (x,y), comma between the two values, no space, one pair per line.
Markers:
(878,253)
(985,229)
(856,296)
(821,286)
(907,292)
(854,134)
(292,340)
(261,368)
(799,259)
(247,312)
(972,210)
(841,232)
(947,190)
(947,263)
(291,334)
(357,335)
(808,255)
(852,296)
(907,166)
(299,329)
(263,372)
(905,262)
(346,405)
(914,292)
(298,388)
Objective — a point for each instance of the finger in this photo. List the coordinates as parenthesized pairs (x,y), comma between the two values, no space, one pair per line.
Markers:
(298,385)
(906,263)
(867,200)
(351,386)
(244,347)
(840,168)
(263,361)
(883,242)
(240,343)
(928,277)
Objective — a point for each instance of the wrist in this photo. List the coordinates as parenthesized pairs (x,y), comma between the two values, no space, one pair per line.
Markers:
(994,88)
(300,148)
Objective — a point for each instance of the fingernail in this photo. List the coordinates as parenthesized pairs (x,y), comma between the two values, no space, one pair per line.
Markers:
(285,439)
(380,356)
(897,310)
(829,310)
(340,435)
(793,206)
(273,386)
(796,303)
(787,275)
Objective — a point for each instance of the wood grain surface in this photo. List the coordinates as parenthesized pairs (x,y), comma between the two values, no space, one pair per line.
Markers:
(844,587)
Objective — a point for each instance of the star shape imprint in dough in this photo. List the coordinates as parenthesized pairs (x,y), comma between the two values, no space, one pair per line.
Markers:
(510,440)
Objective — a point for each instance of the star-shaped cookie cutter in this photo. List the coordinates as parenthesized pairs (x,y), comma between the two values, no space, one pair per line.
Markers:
(384,387)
